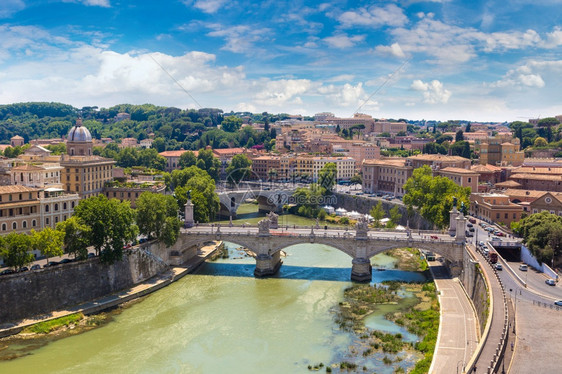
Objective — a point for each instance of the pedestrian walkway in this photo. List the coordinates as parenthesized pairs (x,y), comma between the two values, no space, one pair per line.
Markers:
(144,288)
(458,325)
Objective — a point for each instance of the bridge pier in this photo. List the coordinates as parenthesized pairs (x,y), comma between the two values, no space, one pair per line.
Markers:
(361,270)
(267,265)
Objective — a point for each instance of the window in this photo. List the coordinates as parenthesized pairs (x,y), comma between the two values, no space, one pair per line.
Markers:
(34,223)
(64,206)
(46,208)
(72,205)
(14,226)
(30,196)
(56,219)
(3,227)
(10,197)
(56,207)
(46,221)
(24,224)
(497,216)
(505,216)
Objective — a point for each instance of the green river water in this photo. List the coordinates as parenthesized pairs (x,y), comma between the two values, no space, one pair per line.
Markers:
(223,320)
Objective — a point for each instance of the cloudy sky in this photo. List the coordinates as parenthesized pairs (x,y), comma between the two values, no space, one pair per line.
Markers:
(437,59)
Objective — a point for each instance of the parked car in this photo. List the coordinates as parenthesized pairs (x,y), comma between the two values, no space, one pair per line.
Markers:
(496,239)
(65,261)
(558,302)
(7,271)
(51,263)
(25,268)
(499,267)
(469,234)
(471,229)
(469,225)
(472,220)
(550,282)
(523,267)
(36,267)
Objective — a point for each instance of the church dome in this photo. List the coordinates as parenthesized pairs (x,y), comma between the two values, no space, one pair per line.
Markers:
(79,133)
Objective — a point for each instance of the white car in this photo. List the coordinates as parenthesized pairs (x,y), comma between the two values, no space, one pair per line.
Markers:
(523,267)
(499,267)
(550,282)
(558,302)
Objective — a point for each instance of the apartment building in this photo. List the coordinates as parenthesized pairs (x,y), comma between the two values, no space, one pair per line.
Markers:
(357,150)
(38,175)
(495,207)
(173,159)
(130,191)
(461,177)
(266,168)
(500,150)
(386,175)
(437,162)
(345,167)
(20,209)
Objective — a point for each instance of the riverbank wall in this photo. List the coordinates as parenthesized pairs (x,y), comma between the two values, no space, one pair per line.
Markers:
(39,292)
(476,287)
(364,205)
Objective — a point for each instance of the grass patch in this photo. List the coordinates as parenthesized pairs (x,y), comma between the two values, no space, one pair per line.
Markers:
(54,324)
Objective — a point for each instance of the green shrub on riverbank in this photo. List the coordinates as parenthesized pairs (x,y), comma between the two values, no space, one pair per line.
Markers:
(48,326)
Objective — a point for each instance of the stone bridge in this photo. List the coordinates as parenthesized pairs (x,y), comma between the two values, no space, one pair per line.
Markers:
(268,239)
(268,200)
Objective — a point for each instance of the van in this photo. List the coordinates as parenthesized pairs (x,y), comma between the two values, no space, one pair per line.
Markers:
(523,267)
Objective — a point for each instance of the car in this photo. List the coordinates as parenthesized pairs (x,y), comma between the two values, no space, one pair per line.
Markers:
(500,233)
(65,261)
(499,267)
(472,220)
(481,243)
(7,271)
(25,268)
(471,229)
(523,267)
(35,267)
(469,225)
(434,237)
(469,234)
(558,302)
(51,263)
(550,282)
(496,239)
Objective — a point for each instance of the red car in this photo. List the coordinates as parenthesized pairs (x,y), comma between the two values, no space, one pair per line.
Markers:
(472,220)
(434,237)
(499,233)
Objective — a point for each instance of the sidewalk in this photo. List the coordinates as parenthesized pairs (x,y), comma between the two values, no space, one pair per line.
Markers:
(144,288)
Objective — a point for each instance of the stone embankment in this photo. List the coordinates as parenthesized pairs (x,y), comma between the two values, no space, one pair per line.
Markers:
(86,286)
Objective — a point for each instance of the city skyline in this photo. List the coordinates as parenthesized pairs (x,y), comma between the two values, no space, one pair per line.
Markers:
(480,61)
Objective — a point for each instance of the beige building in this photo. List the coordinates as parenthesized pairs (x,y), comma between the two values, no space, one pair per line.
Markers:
(173,158)
(386,175)
(16,141)
(20,209)
(357,150)
(500,151)
(39,176)
(437,162)
(131,191)
(345,167)
(461,177)
(549,202)
(494,207)
(83,173)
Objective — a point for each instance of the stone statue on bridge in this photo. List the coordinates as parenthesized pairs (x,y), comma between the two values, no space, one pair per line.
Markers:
(273,220)
(263,226)
(362,227)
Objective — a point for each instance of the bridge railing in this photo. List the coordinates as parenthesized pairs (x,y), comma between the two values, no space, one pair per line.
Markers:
(319,234)
(323,227)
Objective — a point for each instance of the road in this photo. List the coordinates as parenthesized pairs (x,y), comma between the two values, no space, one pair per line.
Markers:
(458,330)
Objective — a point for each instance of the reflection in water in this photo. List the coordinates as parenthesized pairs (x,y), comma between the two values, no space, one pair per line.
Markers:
(222,319)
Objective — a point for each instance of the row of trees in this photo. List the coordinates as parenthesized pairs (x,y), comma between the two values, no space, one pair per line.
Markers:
(542,233)
(105,224)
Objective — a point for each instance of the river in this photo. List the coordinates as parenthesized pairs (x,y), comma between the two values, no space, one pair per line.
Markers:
(222,319)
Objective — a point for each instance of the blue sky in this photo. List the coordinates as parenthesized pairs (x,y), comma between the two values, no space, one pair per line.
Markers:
(441,59)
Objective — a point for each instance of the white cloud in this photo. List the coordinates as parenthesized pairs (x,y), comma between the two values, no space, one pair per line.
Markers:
(345,96)
(239,39)
(343,41)
(433,92)
(245,107)
(374,16)
(553,39)
(531,75)
(102,3)
(280,92)
(392,50)
(9,7)
(209,6)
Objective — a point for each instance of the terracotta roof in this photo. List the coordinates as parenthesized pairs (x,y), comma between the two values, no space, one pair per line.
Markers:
(458,171)
(177,153)
(17,188)
(509,183)
(537,177)
(538,170)
(485,168)
(429,157)
(28,167)
(518,193)
(228,151)
(16,137)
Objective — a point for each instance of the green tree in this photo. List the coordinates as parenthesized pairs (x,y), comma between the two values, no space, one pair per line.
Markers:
(357,179)
(542,234)
(540,142)
(203,195)
(111,223)
(459,136)
(327,176)
(150,158)
(48,241)
(377,212)
(153,209)
(433,196)
(159,144)
(15,250)
(460,148)
(238,169)
(76,234)
(231,124)
(187,159)
(211,164)
(395,217)
(467,129)
(57,149)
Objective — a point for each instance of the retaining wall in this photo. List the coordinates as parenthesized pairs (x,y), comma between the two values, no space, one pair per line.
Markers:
(39,292)
(475,286)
